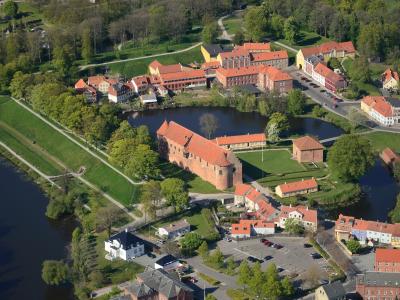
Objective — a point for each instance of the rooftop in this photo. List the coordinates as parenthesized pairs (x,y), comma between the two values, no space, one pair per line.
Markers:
(379,279)
(176,225)
(237,139)
(327,73)
(242,189)
(307,143)
(309,215)
(166,260)
(126,239)
(298,185)
(389,74)
(387,255)
(334,290)
(215,49)
(328,47)
(263,56)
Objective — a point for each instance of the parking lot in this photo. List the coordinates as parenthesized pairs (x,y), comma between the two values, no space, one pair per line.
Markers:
(293,258)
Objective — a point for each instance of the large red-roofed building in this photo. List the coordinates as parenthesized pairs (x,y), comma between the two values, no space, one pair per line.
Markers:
(387,260)
(384,110)
(245,141)
(199,155)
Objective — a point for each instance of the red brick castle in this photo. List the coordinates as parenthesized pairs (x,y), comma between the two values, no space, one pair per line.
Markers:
(199,155)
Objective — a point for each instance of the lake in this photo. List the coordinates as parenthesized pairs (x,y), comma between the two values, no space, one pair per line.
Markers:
(27,238)
(231,121)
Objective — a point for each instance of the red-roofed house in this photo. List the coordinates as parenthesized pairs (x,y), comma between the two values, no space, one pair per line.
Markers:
(390,80)
(308,149)
(248,228)
(237,76)
(255,47)
(185,79)
(199,155)
(245,141)
(119,92)
(389,157)
(326,50)
(101,83)
(140,84)
(327,78)
(278,59)
(88,91)
(273,79)
(387,260)
(385,111)
(241,190)
(305,216)
(296,188)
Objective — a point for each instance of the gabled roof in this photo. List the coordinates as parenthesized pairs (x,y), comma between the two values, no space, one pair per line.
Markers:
(266,56)
(80,84)
(309,215)
(155,64)
(211,65)
(389,74)
(234,72)
(257,46)
(194,143)
(307,143)
(126,239)
(253,195)
(379,279)
(242,189)
(237,139)
(334,290)
(275,74)
(141,80)
(215,49)
(164,69)
(327,73)
(244,226)
(389,156)
(387,256)
(298,186)
(183,75)
(235,53)
(328,47)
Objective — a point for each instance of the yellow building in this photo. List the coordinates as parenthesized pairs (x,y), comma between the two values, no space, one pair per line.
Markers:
(210,52)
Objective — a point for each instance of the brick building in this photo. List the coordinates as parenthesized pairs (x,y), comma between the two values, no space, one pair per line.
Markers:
(245,141)
(387,260)
(308,149)
(177,81)
(278,59)
(378,286)
(327,78)
(273,79)
(296,188)
(199,155)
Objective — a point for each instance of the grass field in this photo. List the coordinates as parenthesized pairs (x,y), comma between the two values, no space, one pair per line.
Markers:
(306,39)
(233,24)
(381,140)
(138,67)
(42,146)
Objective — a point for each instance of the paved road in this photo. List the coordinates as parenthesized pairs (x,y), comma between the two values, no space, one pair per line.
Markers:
(139,58)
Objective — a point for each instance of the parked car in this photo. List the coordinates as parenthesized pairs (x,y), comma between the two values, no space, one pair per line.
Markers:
(251,259)
(280,269)
(278,246)
(315,255)
(263,240)
(307,245)
(268,257)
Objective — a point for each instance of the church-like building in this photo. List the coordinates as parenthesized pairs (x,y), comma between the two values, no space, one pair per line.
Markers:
(199,155)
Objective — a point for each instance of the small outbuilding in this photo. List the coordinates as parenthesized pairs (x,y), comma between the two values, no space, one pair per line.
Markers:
(307,149)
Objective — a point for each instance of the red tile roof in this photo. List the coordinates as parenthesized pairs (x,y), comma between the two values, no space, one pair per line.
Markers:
(389,74)
(307,143)
(244,226)
(266,211)
(374,226)
(275,74)
(164,69)
(243,71)
(95,80)
(384,108)
(80,84)
(309,215)
(348,47)
(155,64)
(184,75)
(389,156)
(371,100)
(327,73)
(237,139)
(257,46)
(211,65)
(235,53)
(266,56)
(141,80)
(242,189)
(253,195)
(194,143)
(298,186)
(387,256)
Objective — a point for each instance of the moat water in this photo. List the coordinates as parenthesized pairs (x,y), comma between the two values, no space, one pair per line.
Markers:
(27,238)
(378,185)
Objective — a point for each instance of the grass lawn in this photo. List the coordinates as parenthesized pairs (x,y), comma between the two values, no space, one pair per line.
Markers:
(237,294)
(138,67)
(381,140)
(194,183)
(27,14)
(57,146)
(233,24)
(306,39)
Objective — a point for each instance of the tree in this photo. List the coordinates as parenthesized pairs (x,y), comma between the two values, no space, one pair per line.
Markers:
(356,118)
(277,123)
(244,274)
(293,226)
(238,38)
(171,247)
(87,49)
(230,265)
(62,60)
(395,213)
(209,124)
(360,70)
(143,163)
(121,152)
(287,287)
(54,272)
(190,242)
(203,250)
(216,258)
(291,30)
(151,197)
(272,286)
(10,9)
(20,84)
(257,281)
(350,157)
(174,191)
(296,102)
(353,246)
(106,217)
(210,33)
(255,23)
(396,170)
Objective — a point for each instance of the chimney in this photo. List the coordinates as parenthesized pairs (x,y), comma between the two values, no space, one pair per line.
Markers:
(290,205)
(126,229)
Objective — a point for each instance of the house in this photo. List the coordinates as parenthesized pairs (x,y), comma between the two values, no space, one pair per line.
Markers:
(149,100)
(140,84)
(101,83)
(199,155)
(124,245)
(167,263)
(331,291)
(175,229)
(390,80)
(210,51)
(245,141)
(378,285)
(389,157)
(119,92)
(155,284)
(365,231)
(156,68)
(248,228)
(326,50)
(241,190)
(296,188)
(305,216)
(384,110)
(189,78)
(307,149)
(273,79)
(387,260)
(278,59)
(88,91)
(328,78)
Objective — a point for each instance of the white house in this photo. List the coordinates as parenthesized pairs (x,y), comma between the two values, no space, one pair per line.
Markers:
(174,230)
(305,216)
(120,92)
(124,245)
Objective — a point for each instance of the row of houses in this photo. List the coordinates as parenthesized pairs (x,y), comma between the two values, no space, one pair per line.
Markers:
(347,227)
(262,217)
(384,110)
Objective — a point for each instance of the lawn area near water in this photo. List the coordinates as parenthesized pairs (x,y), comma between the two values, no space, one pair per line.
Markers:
(34,134)
(381,140)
